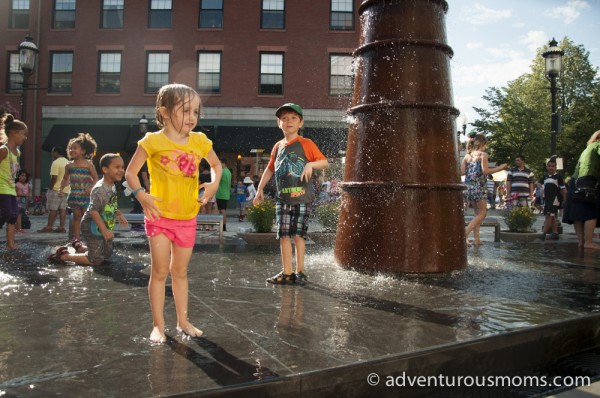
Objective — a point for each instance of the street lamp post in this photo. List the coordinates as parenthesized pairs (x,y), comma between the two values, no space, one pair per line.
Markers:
(27,56)
(257,152)
(553,63)
(464,120)
(239,165)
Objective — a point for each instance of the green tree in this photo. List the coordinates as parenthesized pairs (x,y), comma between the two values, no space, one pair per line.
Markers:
(512,121)
(517,118)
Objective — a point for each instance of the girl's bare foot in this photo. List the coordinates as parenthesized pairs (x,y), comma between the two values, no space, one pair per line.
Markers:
(13,247)
(468,243)
(157,335)
(190,330)
(591,245)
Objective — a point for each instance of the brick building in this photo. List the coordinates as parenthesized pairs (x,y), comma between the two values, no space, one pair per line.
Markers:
(101,62)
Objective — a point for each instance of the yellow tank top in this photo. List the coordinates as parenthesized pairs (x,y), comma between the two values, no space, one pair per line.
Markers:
(9,168)
(174,170)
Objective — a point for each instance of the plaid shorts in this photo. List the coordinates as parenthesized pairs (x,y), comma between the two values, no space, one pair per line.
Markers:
(292,220)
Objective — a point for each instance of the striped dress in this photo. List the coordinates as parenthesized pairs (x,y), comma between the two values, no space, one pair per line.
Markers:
(80,180)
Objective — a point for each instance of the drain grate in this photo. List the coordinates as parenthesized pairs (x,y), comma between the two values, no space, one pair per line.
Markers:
(586,364)
(568,369)
(572,369)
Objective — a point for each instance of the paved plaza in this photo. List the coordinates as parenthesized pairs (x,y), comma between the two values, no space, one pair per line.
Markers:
(82,331)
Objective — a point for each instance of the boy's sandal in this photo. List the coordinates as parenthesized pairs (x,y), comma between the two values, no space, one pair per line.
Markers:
(45,229)
(55,258)
(282,279)
(76,244)
(301,278)
(59,230)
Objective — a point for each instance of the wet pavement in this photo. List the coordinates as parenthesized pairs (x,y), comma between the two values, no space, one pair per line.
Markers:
(82,331)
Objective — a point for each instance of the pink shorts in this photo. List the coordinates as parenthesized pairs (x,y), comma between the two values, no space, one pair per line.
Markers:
(180,232)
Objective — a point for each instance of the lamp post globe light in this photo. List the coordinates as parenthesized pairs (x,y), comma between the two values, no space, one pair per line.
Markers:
(27,56)
(553,64)
(464,121)
(143,125)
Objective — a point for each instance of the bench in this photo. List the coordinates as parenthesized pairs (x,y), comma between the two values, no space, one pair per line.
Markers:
(201,219)
(488,222)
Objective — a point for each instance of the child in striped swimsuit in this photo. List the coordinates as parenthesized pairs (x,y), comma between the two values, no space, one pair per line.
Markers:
(81,174)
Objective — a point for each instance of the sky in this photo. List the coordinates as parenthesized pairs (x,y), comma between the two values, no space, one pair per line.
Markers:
(495,42)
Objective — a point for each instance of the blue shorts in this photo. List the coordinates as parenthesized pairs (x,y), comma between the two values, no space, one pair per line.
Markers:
(292,220)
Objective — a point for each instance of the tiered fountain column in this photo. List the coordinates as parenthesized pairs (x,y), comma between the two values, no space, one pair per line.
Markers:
(402,208)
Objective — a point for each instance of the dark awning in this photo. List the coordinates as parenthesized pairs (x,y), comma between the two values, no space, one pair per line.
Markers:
(110,138)
(329,140)
(242,139)
(230,139)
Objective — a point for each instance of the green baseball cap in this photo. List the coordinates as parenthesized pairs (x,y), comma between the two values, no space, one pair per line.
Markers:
(289,105)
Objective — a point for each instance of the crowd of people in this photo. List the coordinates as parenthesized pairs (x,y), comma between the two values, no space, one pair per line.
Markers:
(161,176)
(579,204)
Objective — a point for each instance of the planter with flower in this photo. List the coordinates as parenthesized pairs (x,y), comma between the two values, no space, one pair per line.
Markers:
(327,213)
(519,220)
(262,218)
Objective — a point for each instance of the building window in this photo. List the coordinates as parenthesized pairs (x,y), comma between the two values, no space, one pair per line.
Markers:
(112,14)
(18,17)
(160,14)
(15,77)
(271,73)
(109,73)
(342,15)
(211,14)
(61,74)
(341,75)
(273,14)
(64,14)
(157,71)
(209,72)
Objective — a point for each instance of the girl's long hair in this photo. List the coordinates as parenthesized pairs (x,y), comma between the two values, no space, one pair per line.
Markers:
(476,143)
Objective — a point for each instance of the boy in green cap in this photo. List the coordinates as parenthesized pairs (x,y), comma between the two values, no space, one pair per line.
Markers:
(293,160)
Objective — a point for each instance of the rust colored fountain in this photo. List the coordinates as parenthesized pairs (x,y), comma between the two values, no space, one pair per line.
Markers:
(402,201)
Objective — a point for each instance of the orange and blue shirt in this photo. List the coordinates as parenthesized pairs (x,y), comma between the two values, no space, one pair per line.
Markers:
(287,163)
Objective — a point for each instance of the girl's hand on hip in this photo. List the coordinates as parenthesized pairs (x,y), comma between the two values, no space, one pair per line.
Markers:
(151,211)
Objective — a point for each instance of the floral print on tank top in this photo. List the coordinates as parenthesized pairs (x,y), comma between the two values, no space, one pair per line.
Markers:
(475,181)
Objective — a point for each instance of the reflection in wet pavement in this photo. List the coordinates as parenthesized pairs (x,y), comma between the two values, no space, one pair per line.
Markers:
(83,330)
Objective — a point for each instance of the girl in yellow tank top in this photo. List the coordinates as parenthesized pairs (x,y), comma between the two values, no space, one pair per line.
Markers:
(173,155)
